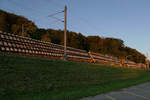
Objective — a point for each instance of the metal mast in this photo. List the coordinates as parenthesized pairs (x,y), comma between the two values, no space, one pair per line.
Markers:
(65,33)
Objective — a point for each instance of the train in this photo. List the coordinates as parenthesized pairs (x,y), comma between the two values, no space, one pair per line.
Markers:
(19,45)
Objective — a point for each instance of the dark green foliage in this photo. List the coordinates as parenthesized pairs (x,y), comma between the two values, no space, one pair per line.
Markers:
(78,41)
(3,21)
(13,24)
(110,46)
(38,34)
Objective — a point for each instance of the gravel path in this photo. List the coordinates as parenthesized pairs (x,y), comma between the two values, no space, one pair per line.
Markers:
(139,92)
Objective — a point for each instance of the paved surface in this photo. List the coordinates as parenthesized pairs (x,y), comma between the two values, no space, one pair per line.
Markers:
(139,92)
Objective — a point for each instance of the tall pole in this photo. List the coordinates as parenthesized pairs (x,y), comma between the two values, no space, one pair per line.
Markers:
(65,33)
(22,30)
(147,61)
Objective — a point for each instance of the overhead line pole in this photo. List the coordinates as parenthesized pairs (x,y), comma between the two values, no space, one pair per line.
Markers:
(65,28)
(22,30)
(65,33)
(147,61)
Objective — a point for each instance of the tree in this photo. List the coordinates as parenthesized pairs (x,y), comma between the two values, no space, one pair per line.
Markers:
(3,22)
(46,37)
(111,46)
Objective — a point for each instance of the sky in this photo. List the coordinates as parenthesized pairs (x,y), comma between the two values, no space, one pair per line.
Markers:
(128,20)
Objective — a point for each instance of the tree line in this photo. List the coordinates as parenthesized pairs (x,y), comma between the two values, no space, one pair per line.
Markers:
(12,24)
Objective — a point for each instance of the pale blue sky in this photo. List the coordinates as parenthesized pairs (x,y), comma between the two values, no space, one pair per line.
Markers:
(128,20)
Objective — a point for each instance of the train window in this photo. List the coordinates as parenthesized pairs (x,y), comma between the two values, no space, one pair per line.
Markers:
(9,44)
(23,50)
(26,40)
(7,49)
(19,50)
(10,37)
(18,39)
(51,53)
(35,48)
(30,51)
(5,43)
(11,49)
(3,49)
(29,41)
(38,52)
(15,49)
(1,36)
(26,50)
(14,38)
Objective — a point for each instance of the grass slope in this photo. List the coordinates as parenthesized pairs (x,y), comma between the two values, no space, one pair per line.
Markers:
(26,78)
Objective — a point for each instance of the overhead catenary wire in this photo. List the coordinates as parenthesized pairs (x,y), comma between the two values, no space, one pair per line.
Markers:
(93,27)
(28,9)
(55,13)
(65,27)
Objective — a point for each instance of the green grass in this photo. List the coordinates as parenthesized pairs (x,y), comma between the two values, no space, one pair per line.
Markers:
(28,78)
